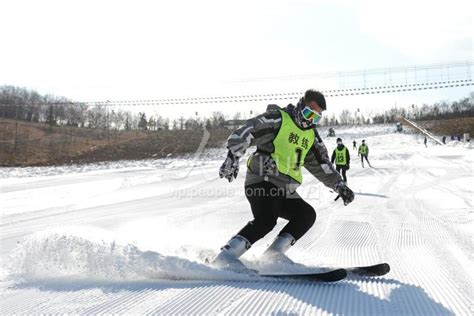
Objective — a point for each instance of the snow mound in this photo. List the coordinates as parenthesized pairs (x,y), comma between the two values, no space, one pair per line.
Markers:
(93,254)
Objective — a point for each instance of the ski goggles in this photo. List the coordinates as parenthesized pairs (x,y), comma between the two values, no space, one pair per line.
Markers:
(311,115)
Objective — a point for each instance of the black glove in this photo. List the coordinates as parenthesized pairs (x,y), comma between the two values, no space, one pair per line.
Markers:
(344,192)
(347,167)
(230,167)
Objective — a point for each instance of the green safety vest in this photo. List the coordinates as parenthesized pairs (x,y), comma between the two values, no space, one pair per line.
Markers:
(341,158)
(363,149)
(291,147)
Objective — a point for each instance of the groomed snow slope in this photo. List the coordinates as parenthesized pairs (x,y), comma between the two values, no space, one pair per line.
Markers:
(131,238)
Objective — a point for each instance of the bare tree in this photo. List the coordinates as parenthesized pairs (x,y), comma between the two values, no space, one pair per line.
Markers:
(217,120)
(142,123)
(345,117)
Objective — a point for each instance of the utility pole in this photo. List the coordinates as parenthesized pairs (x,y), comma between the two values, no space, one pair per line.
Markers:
(16,129)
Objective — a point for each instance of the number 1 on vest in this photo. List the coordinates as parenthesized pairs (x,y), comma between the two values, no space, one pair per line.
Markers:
(299,152)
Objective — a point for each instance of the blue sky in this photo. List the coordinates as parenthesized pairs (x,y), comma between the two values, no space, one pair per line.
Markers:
(126,50)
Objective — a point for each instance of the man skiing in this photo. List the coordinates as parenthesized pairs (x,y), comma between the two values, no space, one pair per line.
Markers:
(364,153)
(286,140)
(342,158)
(354,145)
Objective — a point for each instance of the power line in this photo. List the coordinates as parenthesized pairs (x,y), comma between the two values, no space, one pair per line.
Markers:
(295,95)
(271,96)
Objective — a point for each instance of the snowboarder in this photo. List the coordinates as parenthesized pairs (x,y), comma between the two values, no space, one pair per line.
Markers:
(286,140)
(342,157)
(354,145)
(364,153)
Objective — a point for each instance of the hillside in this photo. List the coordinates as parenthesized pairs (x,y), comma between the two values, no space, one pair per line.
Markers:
(42,145)
(449,127)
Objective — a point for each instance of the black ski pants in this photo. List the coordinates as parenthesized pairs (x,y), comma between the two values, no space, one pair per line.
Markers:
(268,202)
(342,170)
(362,156)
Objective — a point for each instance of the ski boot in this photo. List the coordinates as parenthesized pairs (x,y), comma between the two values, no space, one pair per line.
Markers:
(276,251)
(228,258)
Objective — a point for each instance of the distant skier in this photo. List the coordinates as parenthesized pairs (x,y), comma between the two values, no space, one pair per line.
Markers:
(286,140)
(444,140)
(364,153)
(354,145)
(342,157)
(425,141)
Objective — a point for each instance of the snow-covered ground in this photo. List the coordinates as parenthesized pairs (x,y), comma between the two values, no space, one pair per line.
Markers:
(131,238)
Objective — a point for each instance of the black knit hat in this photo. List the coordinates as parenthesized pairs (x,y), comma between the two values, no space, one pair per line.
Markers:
(313,95)
(338,139)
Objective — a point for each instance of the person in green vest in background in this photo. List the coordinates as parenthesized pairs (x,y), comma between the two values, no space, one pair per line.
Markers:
(341,156)
(286,140)
(364,153)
